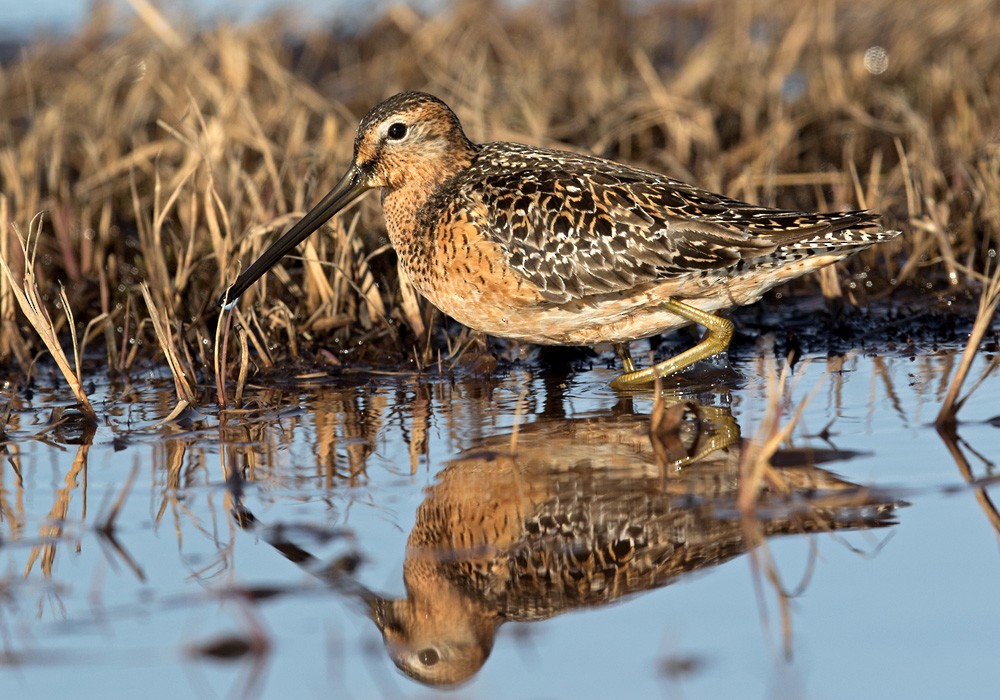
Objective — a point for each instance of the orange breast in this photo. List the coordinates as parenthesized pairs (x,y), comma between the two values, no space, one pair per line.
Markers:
(471,282)
(461,272)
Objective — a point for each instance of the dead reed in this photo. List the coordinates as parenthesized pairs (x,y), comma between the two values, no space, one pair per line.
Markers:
(169,156)
(758,476)
(25,291)
(989,300)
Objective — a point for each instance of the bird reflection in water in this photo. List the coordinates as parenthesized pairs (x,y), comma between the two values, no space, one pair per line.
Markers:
(580,514)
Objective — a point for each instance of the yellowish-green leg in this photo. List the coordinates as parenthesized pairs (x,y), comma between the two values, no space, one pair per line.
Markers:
(720,332)
(626,355)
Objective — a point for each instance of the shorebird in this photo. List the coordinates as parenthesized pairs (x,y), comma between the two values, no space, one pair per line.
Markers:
(558,248)
(582,513)
(588,512)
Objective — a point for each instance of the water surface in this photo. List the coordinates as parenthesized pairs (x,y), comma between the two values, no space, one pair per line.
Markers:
(259,555)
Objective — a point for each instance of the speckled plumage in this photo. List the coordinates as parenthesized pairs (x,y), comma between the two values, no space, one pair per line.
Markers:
(586,513)
(579,226)
(558,248)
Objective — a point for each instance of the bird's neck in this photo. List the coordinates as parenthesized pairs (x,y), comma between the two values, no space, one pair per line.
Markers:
(417,180)
(404,201)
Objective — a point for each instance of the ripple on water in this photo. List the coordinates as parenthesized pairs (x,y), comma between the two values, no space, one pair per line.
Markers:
(289,537)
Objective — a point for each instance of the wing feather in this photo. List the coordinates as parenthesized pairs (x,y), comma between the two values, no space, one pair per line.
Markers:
(577,225)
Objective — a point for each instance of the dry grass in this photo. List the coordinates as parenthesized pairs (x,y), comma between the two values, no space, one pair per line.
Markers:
(25,291)
(989,300)
(171,157)
(760,481)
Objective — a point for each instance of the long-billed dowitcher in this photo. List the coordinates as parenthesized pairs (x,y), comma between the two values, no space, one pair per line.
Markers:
(557,248)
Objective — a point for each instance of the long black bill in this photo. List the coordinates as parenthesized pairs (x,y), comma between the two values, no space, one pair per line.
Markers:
(349,187)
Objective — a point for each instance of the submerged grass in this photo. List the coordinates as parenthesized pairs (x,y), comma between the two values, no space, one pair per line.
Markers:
(170,157)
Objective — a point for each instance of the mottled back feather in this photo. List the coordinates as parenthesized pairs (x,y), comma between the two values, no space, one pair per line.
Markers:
(576,225)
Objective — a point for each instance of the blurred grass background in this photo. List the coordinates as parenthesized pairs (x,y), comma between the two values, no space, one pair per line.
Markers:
(171,155)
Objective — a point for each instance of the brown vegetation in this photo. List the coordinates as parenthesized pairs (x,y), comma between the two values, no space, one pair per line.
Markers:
(170,157)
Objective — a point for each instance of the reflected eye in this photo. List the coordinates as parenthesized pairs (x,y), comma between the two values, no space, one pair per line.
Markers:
(397,130)
(428,657)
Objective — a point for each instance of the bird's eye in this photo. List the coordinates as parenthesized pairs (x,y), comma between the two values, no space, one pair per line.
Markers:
(397,130)
(429,656)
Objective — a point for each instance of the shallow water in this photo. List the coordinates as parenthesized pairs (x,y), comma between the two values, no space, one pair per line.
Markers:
(258,556)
